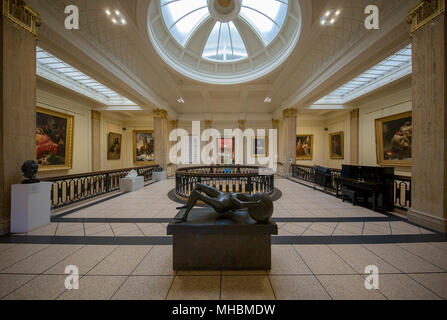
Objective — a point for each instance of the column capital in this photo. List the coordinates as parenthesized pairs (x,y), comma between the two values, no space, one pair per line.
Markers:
(18,12)
(160,113)
(276,123)
(173,124)
(208,124)
(425,12)
(290,113)
(242,124)
(96,115)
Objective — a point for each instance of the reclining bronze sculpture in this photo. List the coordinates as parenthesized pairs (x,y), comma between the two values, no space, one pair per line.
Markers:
(258,205)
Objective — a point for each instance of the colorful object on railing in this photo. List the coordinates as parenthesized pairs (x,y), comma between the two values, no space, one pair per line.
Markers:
(242,179)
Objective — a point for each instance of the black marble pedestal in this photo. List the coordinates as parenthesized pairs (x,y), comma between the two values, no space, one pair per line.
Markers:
(209,242)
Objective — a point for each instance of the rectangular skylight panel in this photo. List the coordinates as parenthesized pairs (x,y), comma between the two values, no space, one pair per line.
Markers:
(391,63)
(48,60)
(400,58)
(41,55)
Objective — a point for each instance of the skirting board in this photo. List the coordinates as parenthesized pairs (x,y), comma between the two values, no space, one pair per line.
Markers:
(427,220)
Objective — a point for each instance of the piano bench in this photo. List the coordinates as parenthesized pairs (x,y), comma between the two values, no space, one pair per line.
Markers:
(350,194)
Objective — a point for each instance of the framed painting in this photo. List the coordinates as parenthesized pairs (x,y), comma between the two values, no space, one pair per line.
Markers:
(336,146)
(114,146)
(394,140)
(259,147)
(304,147)
(226,151)
(143,147)
(54,140)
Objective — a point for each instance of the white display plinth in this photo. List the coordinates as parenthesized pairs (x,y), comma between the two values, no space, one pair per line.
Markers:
(30,206)
(159,176)
(131,184)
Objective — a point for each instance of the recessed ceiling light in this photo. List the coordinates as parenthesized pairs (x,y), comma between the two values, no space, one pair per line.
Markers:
(116,17)
(330,17)
(180,100)
(268,100)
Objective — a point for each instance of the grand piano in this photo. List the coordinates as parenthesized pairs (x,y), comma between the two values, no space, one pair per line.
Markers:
(375,183)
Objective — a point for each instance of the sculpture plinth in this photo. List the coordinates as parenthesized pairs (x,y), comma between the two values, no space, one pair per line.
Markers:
(212,241)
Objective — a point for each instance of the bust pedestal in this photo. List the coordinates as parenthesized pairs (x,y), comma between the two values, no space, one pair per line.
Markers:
(207,242)
(131,184)
(30,206)
(159,176)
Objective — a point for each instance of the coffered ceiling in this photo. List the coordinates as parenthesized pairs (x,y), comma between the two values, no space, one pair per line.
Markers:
(123,58)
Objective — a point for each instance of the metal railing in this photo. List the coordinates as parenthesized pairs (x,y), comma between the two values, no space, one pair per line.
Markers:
(224,178)
(402,185)
(67,190)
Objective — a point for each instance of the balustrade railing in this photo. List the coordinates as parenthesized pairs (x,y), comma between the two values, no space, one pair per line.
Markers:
(67,190)
(224,178)
(402,185)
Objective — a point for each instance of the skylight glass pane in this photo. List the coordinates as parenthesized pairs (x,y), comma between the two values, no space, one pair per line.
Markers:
(265,16)
(183,16)
(183,28)
(83,81)
(225,51)
(396,62)
(239,50)
(210,51)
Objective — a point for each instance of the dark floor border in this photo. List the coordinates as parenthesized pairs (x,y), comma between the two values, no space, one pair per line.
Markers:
(89,205)
(276,240)
(278,220)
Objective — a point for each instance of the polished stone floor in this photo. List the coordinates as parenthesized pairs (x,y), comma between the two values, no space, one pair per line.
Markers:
(324,245)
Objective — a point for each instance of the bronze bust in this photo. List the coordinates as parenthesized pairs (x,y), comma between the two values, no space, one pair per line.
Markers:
(29,170)
(258,205)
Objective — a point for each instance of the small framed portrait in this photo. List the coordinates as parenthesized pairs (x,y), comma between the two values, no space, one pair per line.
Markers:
(54,140)
(304,147)
(259,147)
(336,146)
(394,140)
(143,147)
(114,146)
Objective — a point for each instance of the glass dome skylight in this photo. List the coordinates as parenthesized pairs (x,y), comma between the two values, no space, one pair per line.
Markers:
(225,41)
(183,18)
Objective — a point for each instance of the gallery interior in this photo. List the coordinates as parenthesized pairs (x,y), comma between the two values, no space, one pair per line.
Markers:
(118,170)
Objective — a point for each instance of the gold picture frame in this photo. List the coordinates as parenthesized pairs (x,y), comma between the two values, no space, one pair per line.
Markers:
(54,140)
(337,146)
(394,140)
(143,149)
(254,149)
(303,150)
(114,143)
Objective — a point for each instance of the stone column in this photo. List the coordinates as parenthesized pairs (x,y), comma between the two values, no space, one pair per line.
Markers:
(429,169)
(289,147)
(173,124)
(96,141)
(355,137)
(161,138)
(17,99)
(242,124)
(277,127)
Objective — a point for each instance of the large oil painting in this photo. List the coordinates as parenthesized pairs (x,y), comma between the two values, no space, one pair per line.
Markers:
(144,147)
(304,147)
(54,140)
(336,146)
(394,140)
(114,146)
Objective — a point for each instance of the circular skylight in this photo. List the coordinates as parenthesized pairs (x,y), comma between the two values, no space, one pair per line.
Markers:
(224,41)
